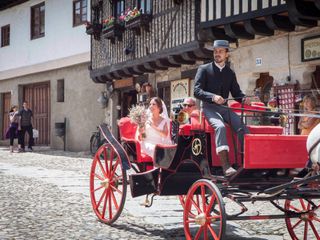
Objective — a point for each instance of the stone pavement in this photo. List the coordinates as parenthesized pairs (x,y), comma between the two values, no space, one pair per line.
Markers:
(45,195)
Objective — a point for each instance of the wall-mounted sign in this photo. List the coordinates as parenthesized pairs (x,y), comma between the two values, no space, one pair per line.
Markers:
(122,83)
(310,48)
(179,91)
(258,61)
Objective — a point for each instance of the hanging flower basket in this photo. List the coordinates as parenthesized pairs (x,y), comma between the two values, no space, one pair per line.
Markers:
(94,29)
(113,31)
(138,22)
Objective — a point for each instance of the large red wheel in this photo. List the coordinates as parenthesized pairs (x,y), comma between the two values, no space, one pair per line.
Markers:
(307,226)
(204,214)
(108,184)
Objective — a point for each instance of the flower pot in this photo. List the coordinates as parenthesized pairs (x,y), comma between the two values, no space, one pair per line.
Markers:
(141,21)
(113,32)
(95,30)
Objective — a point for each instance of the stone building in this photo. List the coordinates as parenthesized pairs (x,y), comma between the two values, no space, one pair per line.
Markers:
(276,47)
(44,59)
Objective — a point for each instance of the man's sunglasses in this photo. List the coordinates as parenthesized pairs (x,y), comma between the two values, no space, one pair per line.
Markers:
(189,105)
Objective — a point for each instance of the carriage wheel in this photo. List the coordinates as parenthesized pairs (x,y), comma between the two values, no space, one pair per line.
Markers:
(204,214)
(108,184)
(307,226)
(182,199)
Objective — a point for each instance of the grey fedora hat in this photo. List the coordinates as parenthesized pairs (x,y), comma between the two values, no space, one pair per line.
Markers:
(221,44)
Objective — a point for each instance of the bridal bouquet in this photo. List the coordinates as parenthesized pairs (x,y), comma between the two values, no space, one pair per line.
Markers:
(138,115)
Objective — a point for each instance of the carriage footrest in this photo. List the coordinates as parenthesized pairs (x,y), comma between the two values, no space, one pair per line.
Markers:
(144,183)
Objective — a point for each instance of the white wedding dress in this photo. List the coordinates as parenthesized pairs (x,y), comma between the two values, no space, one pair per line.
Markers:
(153,137)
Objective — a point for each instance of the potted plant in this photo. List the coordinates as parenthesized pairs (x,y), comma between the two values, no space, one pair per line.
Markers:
(113,27)
(135,19)
(93,29)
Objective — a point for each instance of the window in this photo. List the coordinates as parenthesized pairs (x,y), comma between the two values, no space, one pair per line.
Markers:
(60,90)
(5,36)
(118,8)
(37,21)
(79,12)
(145,6)
(164,92)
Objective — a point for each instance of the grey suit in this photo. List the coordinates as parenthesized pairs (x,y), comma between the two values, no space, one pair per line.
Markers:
(210,80)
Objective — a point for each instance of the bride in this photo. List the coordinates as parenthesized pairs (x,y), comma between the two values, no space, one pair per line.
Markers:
(156,129)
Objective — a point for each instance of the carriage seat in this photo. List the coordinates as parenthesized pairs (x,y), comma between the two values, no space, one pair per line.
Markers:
(127,131)
(203,125)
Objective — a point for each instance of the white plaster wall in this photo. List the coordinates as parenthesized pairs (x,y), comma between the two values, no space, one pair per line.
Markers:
(80,106)
(61,39)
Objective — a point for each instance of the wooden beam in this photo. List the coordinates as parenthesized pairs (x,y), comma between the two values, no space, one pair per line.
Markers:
(303,9)
(178,59)
(138,70)
(220,33)
(157,65)
(258,27)
(166,63)
(148,66)
(116,75)
(237,31)
(317,3)
(145,69)
(134,71)
(279,22)
(203,54)
(122,73)
(187,56)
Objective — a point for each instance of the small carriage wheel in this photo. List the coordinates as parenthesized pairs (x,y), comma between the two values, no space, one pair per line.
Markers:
(108,184)
(204,214)
(307,226)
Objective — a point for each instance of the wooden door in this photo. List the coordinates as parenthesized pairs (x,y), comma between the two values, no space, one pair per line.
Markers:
(38,97)
(6,108)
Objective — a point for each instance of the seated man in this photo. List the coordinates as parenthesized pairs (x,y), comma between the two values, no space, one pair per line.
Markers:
(213,83)
(189,105)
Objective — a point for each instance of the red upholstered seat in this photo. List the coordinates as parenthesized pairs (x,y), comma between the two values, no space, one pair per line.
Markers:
(185,130)
(265,129)
(127,131)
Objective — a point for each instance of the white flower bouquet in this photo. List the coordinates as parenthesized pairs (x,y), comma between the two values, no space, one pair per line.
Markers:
(138,115)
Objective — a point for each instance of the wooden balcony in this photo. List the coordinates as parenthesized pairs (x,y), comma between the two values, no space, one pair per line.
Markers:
(234,19)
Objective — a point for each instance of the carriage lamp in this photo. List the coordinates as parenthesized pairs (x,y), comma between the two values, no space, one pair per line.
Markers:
(103,99)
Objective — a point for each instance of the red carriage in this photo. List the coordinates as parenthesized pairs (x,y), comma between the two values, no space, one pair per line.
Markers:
(178,170)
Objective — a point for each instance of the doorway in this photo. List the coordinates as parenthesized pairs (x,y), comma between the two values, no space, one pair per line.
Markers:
(38,97)
(6,105)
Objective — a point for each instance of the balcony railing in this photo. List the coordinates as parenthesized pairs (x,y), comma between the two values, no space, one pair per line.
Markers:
(219,12)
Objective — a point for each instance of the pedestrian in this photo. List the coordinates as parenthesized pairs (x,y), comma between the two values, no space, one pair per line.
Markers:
(306,123)
(25,125)
(213,83)
(12,131)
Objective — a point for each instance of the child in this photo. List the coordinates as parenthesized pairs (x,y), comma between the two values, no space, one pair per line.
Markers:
(306,124)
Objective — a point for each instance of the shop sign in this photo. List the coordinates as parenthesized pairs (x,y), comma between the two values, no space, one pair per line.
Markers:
(310,48)
(179,91)
(122,83)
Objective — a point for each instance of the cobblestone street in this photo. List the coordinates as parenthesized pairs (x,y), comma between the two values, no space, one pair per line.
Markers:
(45,195)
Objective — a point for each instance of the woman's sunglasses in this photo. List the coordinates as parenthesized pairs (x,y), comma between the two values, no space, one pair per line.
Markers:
(187,105)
